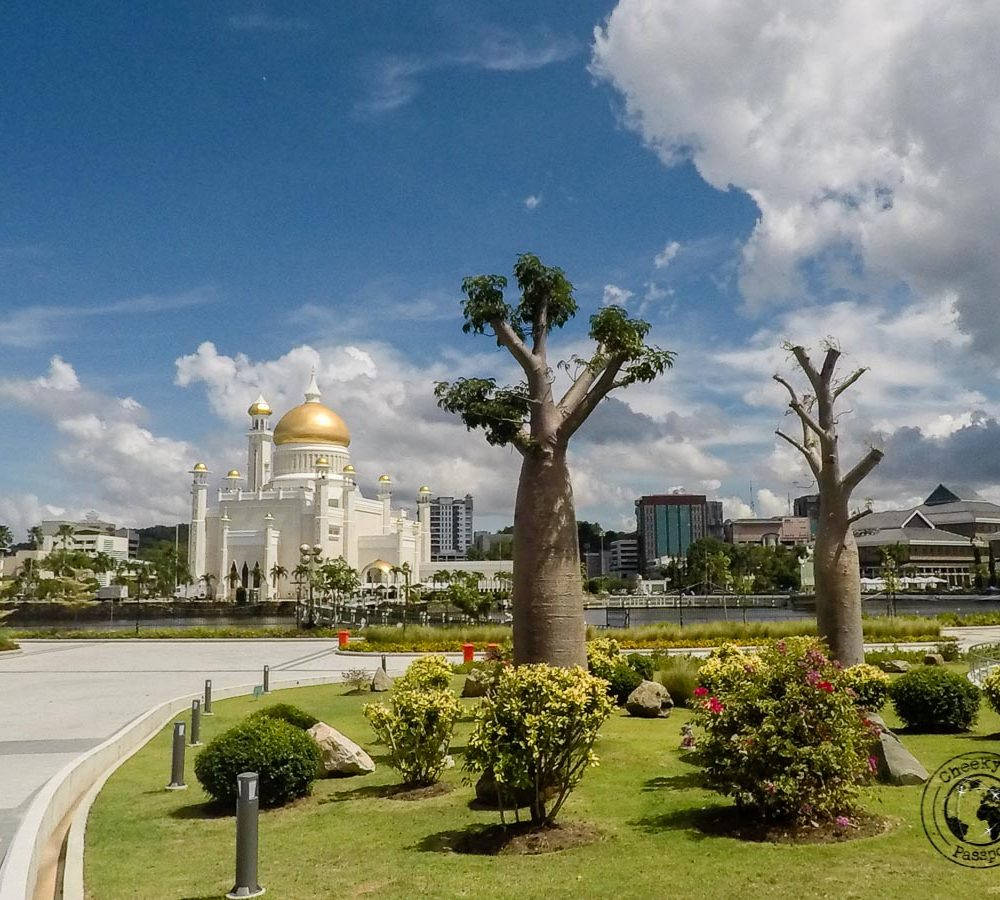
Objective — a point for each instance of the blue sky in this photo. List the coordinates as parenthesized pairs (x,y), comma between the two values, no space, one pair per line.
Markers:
(274,177)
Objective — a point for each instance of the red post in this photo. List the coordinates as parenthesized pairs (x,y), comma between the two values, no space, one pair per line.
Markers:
(467,652)
(493,651)
(342,638)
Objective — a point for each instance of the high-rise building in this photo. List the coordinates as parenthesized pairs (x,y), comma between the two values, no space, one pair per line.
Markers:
(807,506)
(451,527)
(623,557)
(669,523)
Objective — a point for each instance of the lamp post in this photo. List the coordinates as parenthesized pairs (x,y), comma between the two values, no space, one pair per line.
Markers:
(310,558)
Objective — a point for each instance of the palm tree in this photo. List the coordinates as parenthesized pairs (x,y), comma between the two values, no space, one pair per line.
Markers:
(35,536)
(441,576)
(6,538)
(277,572)
(209,580)
(65,534)
(233,579)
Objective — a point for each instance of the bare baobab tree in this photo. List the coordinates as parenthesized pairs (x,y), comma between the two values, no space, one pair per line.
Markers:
(838,585)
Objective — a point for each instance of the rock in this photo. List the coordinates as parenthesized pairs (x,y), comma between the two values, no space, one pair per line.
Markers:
(649,700)
(476,684)
(895,666)
(896,765)
(933,659)
(341,756)
(486,794)
(381,682)
(878,720)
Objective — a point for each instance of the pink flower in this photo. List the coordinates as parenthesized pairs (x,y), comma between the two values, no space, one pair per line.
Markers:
(873,763)
(700,691)
(812,678)
(781,646)
(715,705)
(842,821)
(825,686)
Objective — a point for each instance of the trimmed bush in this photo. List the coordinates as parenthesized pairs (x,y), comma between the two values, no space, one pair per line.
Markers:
(642,663)
(991,689)
(287,713)
(784,739)
(429,673)
(416,727)
(727,667)
(622,673)
(535,734)
(870,684)
(679,675)
(285,757)
(934,699)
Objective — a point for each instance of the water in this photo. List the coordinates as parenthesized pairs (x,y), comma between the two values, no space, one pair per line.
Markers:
(124,623)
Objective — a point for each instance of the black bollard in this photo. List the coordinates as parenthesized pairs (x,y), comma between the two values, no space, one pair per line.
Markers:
(267,679)
(195,723)
(207,705)
(384,669)
(177,760)
(247,808)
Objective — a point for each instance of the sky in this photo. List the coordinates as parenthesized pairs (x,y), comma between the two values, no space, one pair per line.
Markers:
(200,202)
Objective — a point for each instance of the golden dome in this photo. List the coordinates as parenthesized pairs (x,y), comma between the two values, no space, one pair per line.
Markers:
(233,473)
(424,489)
(322,462)
(381,565)
(384,479)
(311,423)
(200,467)
(349,469)
(259,407)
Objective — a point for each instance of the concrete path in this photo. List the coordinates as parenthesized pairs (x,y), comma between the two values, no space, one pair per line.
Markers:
(979,634)
(60,698)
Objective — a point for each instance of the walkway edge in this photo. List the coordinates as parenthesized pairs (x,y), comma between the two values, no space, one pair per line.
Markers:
(78,779)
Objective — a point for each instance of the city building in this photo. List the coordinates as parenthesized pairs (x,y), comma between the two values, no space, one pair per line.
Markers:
(669,523)
(807,506)
(789,531)
(300,489)
(451,527)
(623,557)
(491,544)
(596,562)
(715,526)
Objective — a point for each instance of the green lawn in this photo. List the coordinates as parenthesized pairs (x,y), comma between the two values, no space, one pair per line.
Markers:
(346,841)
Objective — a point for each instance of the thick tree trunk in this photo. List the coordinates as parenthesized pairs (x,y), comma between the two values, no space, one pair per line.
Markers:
(548,593)
(838,585)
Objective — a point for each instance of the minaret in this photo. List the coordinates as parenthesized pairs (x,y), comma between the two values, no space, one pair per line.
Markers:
(321,505)
(196,533)
(424,517)
(260,447)
(385,495)
(348,532)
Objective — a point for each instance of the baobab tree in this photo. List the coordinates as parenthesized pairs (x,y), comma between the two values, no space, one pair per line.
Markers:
(547,592)
(838,584)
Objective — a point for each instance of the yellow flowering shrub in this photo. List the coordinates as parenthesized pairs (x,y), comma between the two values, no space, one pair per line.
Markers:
(870,685)
(727,667)
(429,673)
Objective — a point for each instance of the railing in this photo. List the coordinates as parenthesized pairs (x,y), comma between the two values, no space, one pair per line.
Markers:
(672,601)
(983,659)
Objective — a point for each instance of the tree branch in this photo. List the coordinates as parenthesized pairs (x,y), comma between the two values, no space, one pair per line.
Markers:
(847,382)
(853,478)
(860,514)
(802,357)
(604,384)
(811,458)
(506,335)
(829,364)
(580,386)
(796,406)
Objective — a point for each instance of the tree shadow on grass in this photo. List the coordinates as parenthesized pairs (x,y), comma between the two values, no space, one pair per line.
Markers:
(364,792)
(681,782)
(980,737)
(208,809)
(698,822)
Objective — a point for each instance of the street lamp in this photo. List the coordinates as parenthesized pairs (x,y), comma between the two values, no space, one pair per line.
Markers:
(310,558)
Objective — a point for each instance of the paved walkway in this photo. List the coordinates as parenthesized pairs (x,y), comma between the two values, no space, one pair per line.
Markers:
(60,698)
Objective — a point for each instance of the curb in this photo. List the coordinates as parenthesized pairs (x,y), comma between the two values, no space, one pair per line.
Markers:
(83,778)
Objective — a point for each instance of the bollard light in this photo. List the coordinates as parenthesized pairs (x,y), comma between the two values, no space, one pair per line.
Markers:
(206,709)
(384,669)
(195,723)
(177,760)
(247,809)
(267,679)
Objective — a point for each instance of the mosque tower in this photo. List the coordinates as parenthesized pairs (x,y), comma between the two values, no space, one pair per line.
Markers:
(260,447)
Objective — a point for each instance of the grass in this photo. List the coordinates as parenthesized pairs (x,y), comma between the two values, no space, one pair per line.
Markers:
(6,642)
(349,840)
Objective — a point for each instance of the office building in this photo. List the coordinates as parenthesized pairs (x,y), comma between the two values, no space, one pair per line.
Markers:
(669,523)
(451,527)
(788,531)
(807,507)
(623,557)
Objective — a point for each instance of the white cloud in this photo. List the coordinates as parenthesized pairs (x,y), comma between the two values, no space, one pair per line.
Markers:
(614,295)
(865,132)
(533,201)
(736,508)
(666,255)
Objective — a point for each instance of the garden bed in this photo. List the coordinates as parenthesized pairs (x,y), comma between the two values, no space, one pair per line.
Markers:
(353,838)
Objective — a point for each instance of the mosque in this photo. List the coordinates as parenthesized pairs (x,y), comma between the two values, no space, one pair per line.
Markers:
(300,489)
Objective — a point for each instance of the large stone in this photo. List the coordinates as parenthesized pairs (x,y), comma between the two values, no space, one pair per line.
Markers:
(341,756)
(380,681)
(933,659)
(476,684)
(896,765)
(895,666)
(649,700)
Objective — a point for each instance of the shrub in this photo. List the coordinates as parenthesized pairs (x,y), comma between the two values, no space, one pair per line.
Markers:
(679,675)
(358,679)
(934,699)
(429,673)
(727,667)
(286,713)
(991,689)
(535,733)
(622,673)
(642,663)
(285,757)
(783,737)
(870,684)
(416,727)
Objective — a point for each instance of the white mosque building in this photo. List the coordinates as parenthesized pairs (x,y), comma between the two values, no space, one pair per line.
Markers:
(300,489)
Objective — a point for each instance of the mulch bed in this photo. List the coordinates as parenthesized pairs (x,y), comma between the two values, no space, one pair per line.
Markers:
(732,823)
(525,839)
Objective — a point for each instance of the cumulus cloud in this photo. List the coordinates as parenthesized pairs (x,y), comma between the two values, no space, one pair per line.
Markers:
(865,133)
(614,295)
(533,201)
(666,255)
